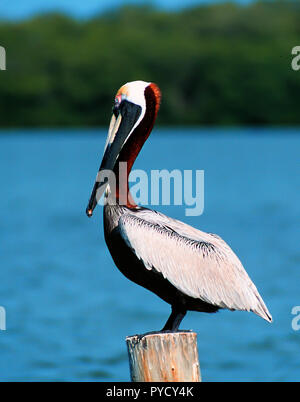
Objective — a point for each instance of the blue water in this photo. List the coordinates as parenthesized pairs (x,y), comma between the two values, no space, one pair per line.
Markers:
(68,309)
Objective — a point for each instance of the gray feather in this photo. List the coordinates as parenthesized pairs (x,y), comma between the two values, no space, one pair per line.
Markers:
(199,264)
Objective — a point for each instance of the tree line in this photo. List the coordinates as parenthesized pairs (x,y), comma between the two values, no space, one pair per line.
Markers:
(223,64)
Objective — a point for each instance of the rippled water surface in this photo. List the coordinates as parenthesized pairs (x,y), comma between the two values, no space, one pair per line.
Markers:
(68,309)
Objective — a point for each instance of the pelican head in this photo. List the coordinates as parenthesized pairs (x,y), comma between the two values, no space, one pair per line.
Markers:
(135,108)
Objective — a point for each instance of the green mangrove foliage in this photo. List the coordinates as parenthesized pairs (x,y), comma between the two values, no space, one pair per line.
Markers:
(221,64)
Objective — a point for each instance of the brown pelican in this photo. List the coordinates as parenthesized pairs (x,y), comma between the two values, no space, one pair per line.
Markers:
(187,268)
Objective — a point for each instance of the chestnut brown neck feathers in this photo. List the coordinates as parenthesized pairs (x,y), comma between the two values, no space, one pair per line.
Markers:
(135,142)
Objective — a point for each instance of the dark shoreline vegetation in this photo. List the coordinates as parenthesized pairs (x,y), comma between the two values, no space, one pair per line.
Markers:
(216,65)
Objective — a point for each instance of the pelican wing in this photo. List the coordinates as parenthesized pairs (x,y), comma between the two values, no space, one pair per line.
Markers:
(199,264)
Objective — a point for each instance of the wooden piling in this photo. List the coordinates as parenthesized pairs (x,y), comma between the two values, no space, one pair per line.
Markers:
(164,357)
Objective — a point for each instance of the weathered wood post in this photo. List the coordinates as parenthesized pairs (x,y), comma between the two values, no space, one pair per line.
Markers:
(164,357)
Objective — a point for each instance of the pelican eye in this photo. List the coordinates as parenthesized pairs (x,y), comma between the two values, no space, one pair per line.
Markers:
(117,103)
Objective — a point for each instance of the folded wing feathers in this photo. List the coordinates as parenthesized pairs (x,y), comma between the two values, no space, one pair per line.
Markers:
(199,264)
